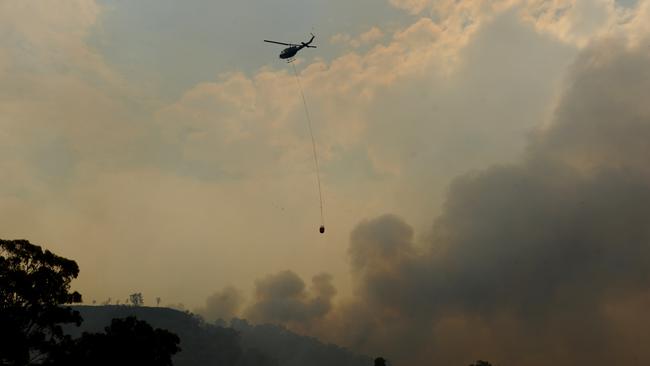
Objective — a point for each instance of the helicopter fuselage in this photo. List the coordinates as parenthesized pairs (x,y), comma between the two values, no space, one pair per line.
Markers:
(293,49)
(289,52)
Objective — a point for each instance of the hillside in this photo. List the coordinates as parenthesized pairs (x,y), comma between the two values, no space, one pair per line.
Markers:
(242,344)
(292,349)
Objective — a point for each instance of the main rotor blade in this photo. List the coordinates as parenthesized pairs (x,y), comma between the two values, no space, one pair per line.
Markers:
(286,44)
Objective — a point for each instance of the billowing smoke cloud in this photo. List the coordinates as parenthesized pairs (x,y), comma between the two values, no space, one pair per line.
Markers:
(544,255)
(379,241)
(542,262)
(284,298)
(224,304)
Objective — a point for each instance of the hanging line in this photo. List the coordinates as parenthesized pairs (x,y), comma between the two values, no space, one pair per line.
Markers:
(313,145)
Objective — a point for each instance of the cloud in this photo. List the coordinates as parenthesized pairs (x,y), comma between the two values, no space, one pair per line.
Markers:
(51,31)
(341,38)
(634,25)
(413,6)
(58,98)
(574,21)
(369,37)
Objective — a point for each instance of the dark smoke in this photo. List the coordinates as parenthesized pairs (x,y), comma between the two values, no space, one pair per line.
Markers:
(545,262)
(530,264)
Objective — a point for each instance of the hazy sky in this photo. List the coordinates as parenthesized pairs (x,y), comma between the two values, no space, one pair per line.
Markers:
(163,146)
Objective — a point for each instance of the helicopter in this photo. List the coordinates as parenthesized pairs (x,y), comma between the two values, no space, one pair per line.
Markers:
(293,49)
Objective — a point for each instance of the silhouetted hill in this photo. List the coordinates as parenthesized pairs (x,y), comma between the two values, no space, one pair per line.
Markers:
(291,349)
(201,344)
(242,344)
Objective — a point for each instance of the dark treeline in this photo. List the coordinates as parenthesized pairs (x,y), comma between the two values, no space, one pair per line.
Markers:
(201,343)
(239,343)
(34,286)
(41,326)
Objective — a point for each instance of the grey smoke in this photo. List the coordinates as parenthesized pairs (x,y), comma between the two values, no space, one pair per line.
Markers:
(224,304)
(533,263)
(284,298)
(542,262)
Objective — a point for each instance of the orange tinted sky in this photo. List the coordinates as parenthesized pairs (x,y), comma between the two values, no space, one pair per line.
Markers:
(163,146)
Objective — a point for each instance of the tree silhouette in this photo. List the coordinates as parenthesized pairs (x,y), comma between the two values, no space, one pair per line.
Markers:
(33,285)
(380,361)
(481,363)
(136,299)
(126,341)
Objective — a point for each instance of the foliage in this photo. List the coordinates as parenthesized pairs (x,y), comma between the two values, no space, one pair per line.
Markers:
(136,299)
(33,285)
(126,341)
(201,343)
(481,363)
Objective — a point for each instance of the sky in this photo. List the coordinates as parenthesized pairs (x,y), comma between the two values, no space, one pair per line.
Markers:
(483,166)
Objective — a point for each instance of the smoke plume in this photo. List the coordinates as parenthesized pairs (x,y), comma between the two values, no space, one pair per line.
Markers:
(542,262)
